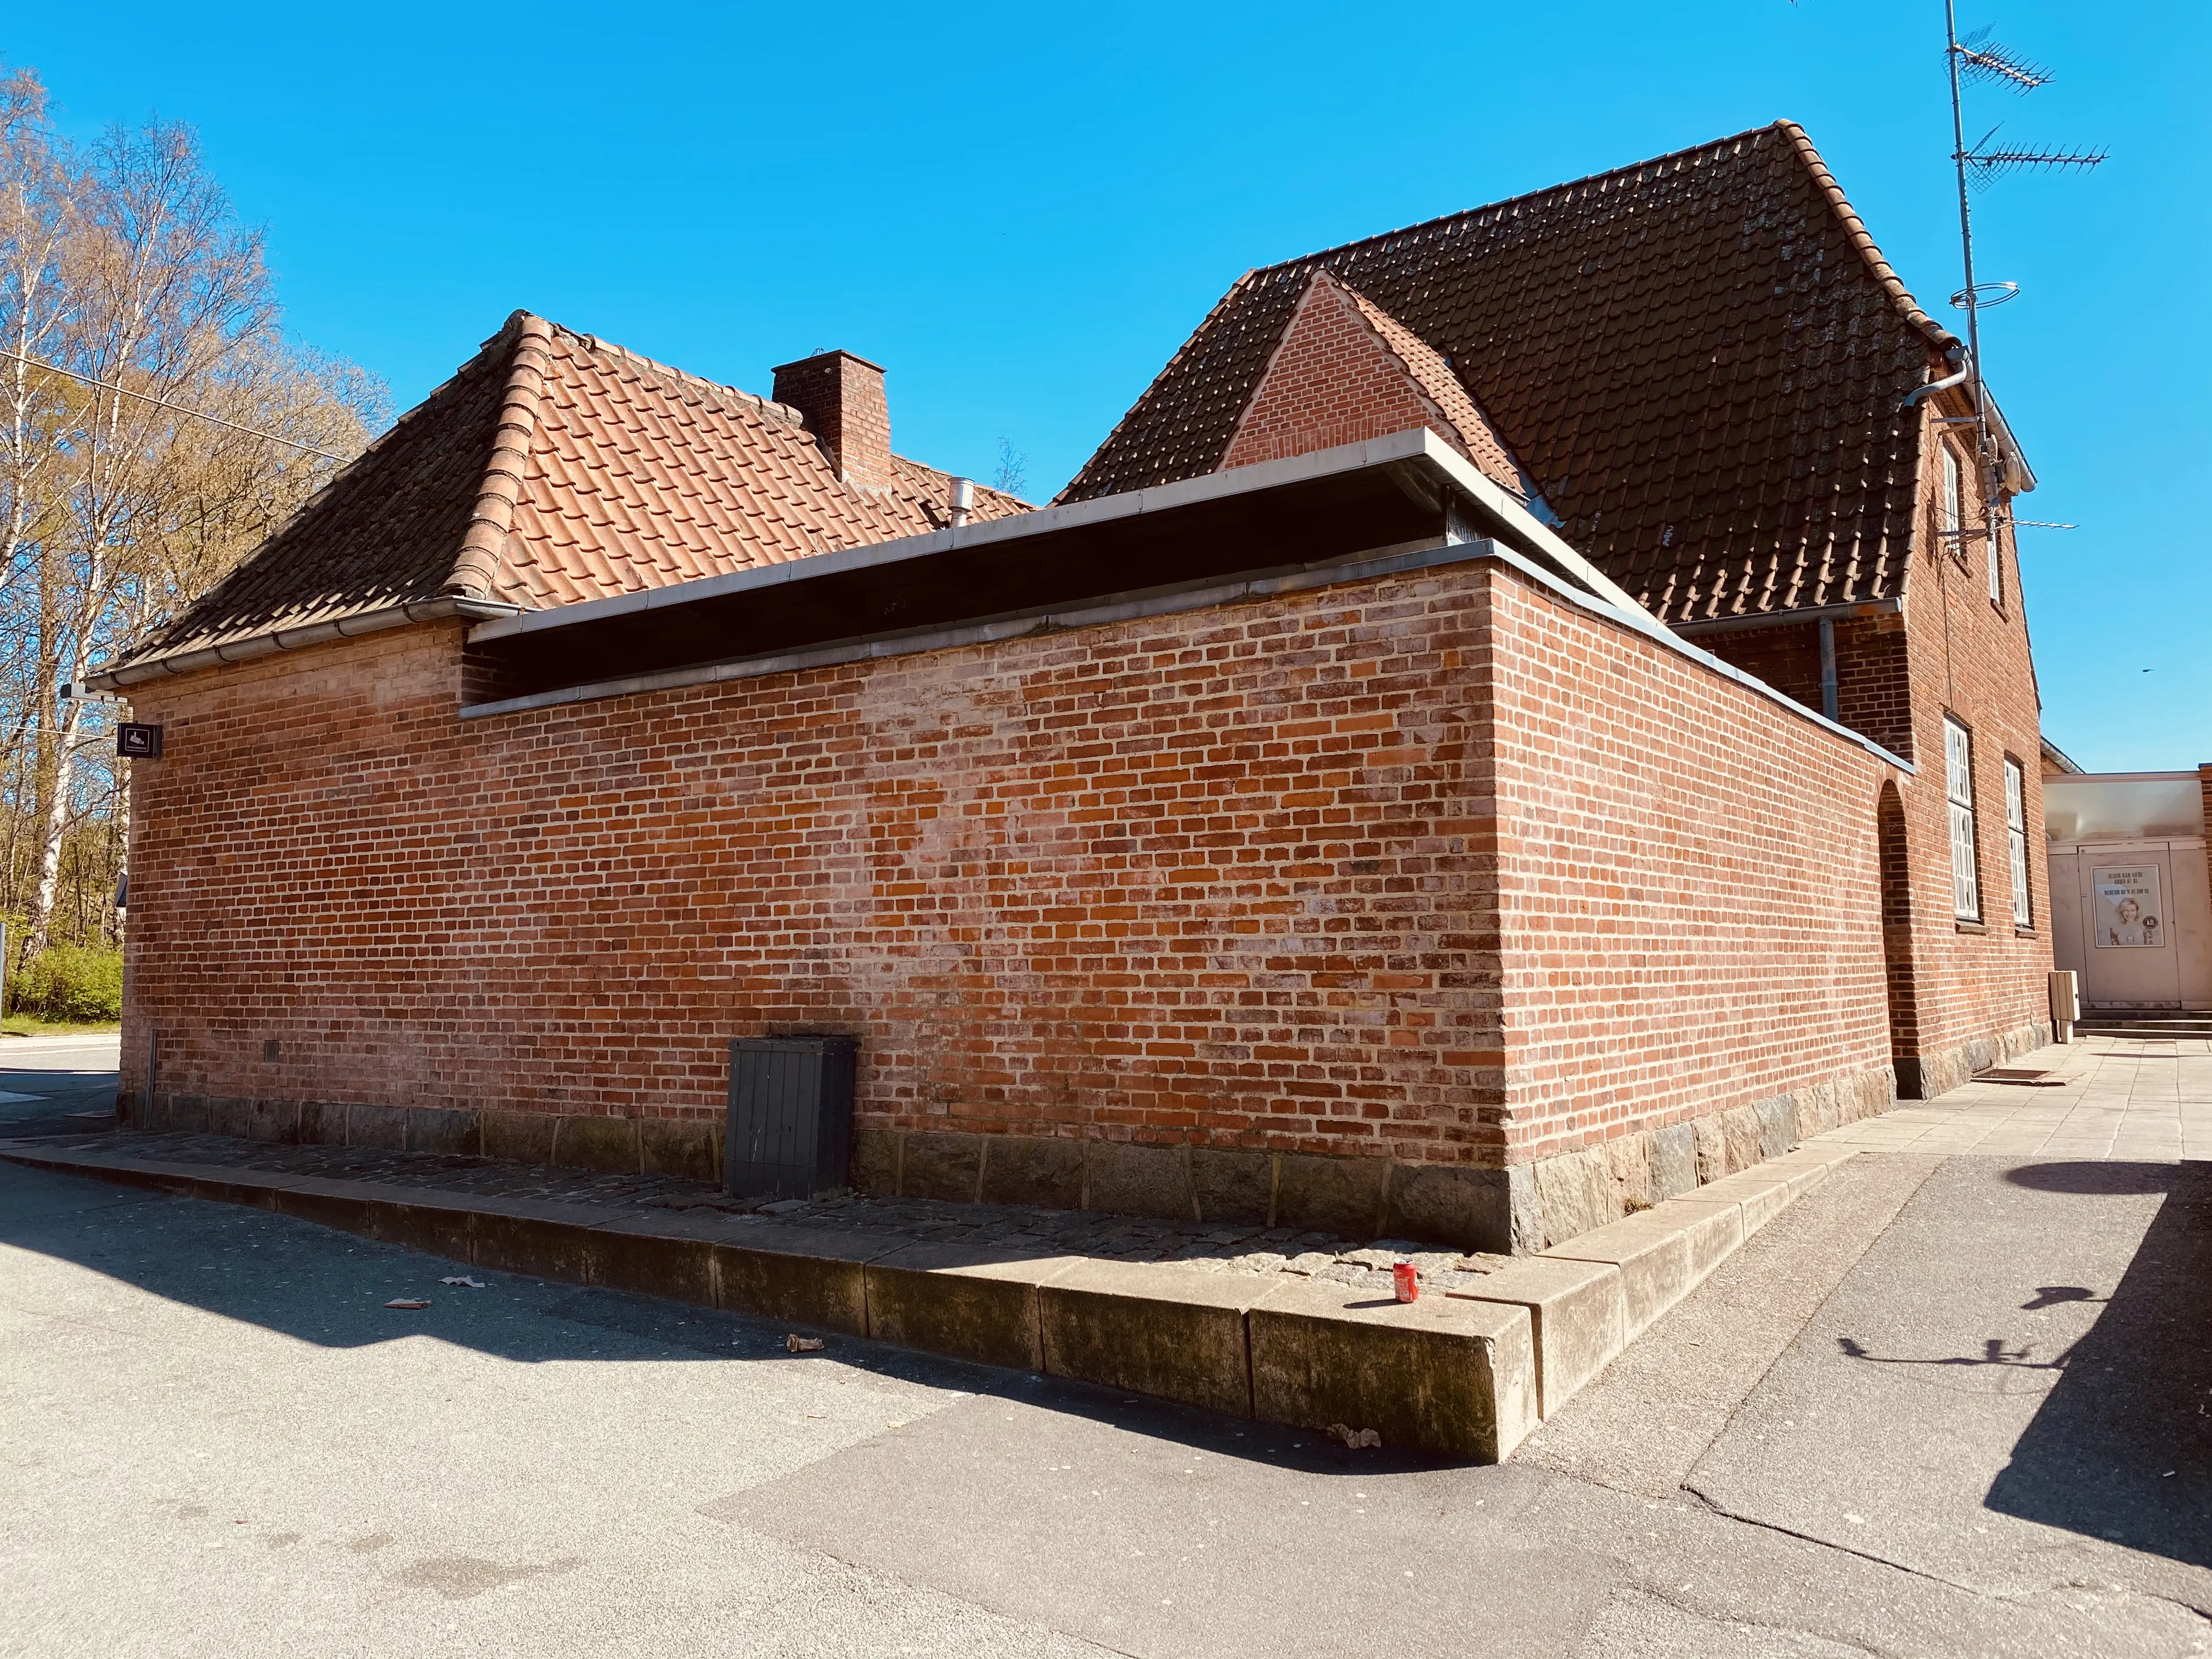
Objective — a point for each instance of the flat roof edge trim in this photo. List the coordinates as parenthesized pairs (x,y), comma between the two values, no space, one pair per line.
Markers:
(1203,594)
(1414,444)
(2074,780)
(1373,562)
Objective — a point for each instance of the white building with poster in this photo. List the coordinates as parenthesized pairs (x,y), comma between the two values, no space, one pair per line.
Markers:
(2130,887)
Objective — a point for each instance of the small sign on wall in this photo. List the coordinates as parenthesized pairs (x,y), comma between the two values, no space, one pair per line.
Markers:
(137,742)
(2129,914)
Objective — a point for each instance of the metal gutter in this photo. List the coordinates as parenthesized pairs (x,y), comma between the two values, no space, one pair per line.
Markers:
(298,638)
(1787,619)
(2066,763)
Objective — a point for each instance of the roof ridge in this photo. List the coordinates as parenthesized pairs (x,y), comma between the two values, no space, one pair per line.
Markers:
(1824,178)
(713,390)
(483,546)
(1862,238)
(940,472)
(1515,201)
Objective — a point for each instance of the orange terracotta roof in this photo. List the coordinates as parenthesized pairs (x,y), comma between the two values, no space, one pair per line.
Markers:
(1699,362)
(552,468)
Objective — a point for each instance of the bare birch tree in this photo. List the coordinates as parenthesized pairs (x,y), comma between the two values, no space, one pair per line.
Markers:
(127,292)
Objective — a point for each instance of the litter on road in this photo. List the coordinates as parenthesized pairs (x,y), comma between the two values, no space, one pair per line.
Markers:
(408,1302)
(1355,1438)
(798,1344)
(464,1282)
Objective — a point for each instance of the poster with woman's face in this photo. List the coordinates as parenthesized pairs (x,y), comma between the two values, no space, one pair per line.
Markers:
(2128,916)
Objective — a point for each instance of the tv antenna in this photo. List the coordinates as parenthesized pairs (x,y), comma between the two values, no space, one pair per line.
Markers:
(1978,58)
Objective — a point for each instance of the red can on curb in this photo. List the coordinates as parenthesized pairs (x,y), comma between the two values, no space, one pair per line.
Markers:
(1408,1283)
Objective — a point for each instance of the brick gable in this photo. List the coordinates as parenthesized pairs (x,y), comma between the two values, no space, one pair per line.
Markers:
(1345,371)
(1701,361)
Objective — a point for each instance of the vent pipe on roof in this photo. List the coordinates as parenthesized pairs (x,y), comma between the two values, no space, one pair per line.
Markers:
(963,500)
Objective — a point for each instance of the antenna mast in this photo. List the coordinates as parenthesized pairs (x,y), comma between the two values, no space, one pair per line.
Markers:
(1977,58)
(1983,447)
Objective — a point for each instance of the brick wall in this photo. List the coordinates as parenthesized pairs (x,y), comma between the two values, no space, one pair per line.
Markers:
(1873,685)
(1690,914)
(1980,988)
(1202,878)
(1232,880)
(2204,792)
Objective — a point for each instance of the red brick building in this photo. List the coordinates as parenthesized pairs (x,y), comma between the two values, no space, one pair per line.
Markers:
(1389,791)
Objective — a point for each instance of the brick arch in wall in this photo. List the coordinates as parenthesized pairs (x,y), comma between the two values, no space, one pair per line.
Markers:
(1892,852)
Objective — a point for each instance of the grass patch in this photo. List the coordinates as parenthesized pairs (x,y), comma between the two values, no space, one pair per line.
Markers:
(31,1025)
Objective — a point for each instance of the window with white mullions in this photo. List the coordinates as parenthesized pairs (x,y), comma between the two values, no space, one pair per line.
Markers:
(2023,914)
(1959,785)
(1996,568)
(1951,508)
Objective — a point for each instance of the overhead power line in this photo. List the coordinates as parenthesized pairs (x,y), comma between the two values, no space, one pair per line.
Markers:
(163,403)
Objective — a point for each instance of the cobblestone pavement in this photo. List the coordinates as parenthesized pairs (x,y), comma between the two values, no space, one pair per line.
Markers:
(1204,1247)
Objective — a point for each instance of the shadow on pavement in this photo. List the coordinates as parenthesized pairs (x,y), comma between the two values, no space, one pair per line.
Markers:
(319,1286)
(2122,1448)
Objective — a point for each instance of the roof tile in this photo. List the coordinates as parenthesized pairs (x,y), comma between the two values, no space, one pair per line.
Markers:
(554,468)
(1699,361)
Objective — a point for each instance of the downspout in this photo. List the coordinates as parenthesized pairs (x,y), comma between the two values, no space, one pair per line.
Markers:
(1828,667)
(1955,354)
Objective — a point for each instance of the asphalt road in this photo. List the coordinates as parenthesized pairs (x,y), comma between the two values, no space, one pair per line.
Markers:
(1931,1410)
(56,1085)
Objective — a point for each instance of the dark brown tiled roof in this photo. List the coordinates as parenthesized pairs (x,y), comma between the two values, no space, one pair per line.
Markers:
(1344,370)
(1698,361)
(553,468)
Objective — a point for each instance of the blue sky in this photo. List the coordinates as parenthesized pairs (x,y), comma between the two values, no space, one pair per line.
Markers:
(1022,211)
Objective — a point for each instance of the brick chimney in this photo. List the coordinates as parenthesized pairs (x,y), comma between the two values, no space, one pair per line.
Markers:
(842,398)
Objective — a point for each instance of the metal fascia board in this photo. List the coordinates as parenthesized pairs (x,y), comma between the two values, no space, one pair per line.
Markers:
(1417,443)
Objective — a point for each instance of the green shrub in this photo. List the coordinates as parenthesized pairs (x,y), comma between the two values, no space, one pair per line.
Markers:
(70,982)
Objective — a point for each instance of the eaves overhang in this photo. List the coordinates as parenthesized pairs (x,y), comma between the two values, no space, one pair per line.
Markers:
(1405,488)
(245,648)
(1398,504)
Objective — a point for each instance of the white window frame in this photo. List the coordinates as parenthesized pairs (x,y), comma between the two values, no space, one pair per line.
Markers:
(1958,788)
(1996,567)
(2023,912)
(1950,508)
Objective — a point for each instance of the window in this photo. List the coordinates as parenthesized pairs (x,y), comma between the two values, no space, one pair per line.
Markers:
(1959,785)
(1996,568)
(2023,914)
(1953,518)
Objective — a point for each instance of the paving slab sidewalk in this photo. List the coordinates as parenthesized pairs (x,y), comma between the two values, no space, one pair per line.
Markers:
(1319,1337)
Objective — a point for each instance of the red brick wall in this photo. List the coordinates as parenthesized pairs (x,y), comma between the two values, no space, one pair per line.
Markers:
(1873,687)
(1690,900)
(1203,878)
(1980,988)
(1229,877)
(1330,382)
(2204,792)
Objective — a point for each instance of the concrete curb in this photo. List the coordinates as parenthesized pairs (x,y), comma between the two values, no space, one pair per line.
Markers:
(1465,1375)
